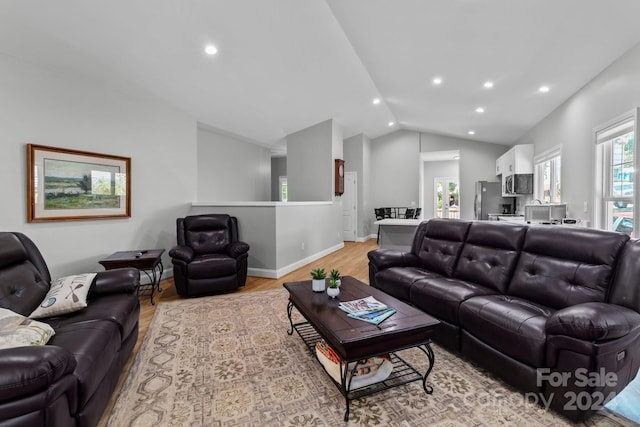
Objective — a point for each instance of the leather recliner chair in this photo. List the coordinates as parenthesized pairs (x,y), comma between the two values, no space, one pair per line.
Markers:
(209,258)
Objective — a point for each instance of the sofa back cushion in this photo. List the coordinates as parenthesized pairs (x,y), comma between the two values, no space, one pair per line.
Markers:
(437,244)
(563,266)
(207,234)
(490,253)
(24,278)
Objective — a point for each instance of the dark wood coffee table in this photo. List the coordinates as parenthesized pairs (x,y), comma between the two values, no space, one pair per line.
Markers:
(354,340)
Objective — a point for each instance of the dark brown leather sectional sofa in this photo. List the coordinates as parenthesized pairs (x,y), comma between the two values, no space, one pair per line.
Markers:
(552,310)
(69,381)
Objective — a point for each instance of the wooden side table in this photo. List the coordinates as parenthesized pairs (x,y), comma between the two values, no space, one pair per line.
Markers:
(148,261)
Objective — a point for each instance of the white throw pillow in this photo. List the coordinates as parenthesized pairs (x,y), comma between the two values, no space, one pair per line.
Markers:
(66,295)
(19,331)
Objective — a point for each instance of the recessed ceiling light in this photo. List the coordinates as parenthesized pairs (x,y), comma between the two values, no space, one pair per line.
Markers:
(376,101)
(391,123)
(437,80)
(211,50)
(480,110)
(488,85)
(544,89)
(456,157)
(472,132)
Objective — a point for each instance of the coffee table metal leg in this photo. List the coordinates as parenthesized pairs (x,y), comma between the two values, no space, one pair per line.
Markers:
(289,308)
(426,348)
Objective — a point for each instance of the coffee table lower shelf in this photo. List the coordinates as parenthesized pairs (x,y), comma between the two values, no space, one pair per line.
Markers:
(402,373)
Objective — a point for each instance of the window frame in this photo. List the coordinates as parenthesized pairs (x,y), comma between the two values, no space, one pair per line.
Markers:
(550,155)
(283,189)
(603,135)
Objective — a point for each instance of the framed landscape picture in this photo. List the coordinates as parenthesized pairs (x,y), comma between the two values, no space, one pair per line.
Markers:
(65,185)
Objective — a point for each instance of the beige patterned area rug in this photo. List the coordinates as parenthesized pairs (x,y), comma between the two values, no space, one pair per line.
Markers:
(228,361)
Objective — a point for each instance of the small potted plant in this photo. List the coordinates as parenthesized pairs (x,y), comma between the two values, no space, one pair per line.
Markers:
(335,275)
(333,290)
(317,279)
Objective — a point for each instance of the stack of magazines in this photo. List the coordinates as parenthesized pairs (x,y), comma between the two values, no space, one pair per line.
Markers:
(368,309)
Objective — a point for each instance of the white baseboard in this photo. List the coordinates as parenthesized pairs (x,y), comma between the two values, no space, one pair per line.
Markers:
(271,273)
(274,274)
(166,273)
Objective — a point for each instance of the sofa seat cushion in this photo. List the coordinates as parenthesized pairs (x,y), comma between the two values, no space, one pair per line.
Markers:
(95,345)
(211,265)
(512,326)
(121,309)
(441,296)
(397,281)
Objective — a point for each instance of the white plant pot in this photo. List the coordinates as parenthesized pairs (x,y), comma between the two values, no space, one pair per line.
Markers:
(317,285)
(333,292)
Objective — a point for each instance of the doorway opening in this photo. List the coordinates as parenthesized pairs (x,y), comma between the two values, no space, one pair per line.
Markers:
(442,167)
(446,197)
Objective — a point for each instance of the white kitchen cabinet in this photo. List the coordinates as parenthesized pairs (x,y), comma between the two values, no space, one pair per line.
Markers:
(518,160)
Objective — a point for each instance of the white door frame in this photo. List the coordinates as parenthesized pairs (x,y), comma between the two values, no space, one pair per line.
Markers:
(445,194)
(433,156)
(350,204)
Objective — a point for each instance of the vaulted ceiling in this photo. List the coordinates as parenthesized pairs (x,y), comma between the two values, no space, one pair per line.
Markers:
(284,65)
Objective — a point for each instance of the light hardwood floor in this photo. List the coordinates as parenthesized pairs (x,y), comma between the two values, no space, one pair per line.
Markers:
(350,260)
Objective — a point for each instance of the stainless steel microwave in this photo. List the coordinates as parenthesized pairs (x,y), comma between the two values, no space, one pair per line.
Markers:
(550,213)
(519,184)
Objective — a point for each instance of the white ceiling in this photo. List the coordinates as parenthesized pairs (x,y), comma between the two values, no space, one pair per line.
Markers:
(284,65)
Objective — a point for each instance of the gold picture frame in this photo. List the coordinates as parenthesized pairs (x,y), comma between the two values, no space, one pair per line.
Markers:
(69,185)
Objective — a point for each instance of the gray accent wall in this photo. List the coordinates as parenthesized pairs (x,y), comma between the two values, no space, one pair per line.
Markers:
(59,108)
(477,163)
(616,90)
(395,163)
(310,154)
(232,169)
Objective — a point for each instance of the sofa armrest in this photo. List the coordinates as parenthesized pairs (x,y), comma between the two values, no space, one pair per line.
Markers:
(387,258)
(593,321)
(25,371)
(182,253)
(237,249)
(116,281)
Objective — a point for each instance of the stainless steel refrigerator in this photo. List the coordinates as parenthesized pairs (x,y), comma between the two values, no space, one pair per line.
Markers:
(489,199)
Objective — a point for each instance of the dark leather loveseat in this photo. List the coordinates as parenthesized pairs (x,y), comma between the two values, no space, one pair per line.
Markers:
(552,310)
(68,381)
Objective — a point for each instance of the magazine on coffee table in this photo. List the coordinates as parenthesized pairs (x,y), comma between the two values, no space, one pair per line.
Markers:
(367,309)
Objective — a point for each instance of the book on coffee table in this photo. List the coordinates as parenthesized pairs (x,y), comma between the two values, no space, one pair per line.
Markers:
(367,309)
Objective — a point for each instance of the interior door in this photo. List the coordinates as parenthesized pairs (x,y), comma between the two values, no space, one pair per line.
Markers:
(447,198)
(349,207)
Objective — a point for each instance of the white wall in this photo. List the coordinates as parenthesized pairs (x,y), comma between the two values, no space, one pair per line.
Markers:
(42,105)
(232,169)
(614,91)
